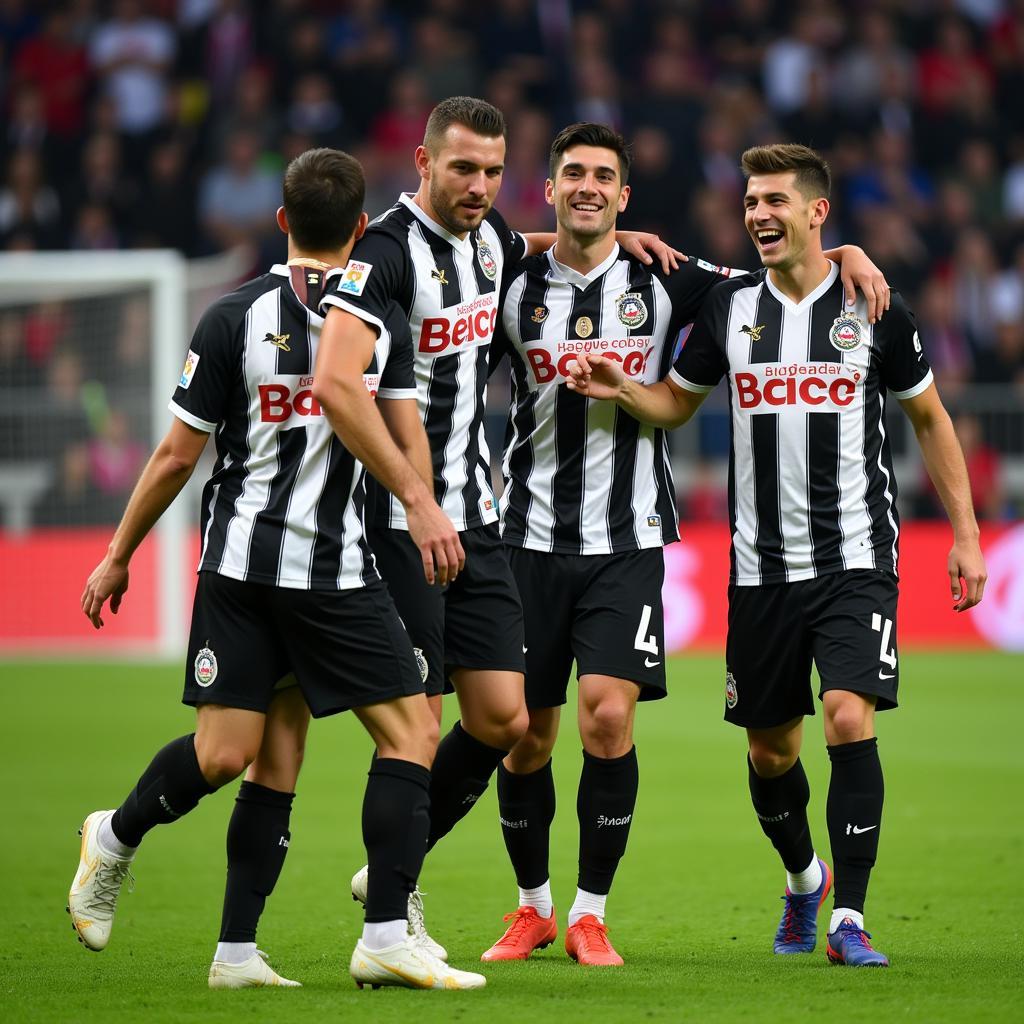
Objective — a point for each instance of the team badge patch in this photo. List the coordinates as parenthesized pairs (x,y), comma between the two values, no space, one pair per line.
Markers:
(754,332)
(421,662)
(205,667)
(353,277)
(654,521)
(845,332)
(732,694)
(191,362)
(488,264)
(539,314)
(584,327)
(631,310)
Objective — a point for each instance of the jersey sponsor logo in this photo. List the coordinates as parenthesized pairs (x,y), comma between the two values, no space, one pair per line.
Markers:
(205,667)
(631,310)
(488,264)
(551,360)
(845,332)
(470,325)
(754,332)
(812,385)
(354,277)
(279,341)
(584,326)
(279,402)
(191,362)
(732,693)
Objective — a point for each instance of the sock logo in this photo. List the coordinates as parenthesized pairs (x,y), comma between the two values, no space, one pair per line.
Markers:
(470,798)
(283,841)
(603,822)
(782,817)
(521,823)
(167,807)
(857,830)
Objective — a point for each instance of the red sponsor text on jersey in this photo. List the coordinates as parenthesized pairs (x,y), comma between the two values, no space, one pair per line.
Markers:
(278,403)
(632,353)
(801,388)
(472,324)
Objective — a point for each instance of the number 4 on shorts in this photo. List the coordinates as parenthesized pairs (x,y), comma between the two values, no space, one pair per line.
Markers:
(886,654)
(650,645)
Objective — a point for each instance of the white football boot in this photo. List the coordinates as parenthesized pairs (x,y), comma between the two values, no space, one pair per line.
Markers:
(408,965)
(253,973)
(93,896)
(417,926)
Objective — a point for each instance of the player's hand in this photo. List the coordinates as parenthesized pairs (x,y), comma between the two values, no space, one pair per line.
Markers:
(596,376)
(109,580)
(859,273)
(438,540)
(967,574)
(644,245)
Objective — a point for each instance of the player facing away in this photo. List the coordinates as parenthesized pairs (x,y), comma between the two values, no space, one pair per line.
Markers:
(814,525)
(441,254)
(588,506)
(289,608)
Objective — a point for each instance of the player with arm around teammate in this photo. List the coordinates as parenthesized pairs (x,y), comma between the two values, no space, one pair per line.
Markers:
(287,593)
(814,526)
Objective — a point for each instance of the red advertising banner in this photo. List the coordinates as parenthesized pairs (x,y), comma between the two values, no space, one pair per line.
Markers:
(45,573)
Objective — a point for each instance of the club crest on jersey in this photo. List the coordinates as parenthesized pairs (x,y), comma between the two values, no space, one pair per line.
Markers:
(631,310)
(353,277)
(754,332)
(421,663)
(845,332)
(732,694)
(488,264)
(539,314)
(191,362)
(279,341)
(438,275)
(205,667)
(584,327)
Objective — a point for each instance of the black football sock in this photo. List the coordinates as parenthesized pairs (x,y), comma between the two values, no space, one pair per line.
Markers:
(257,843)
(170,787)
(781,807)
(604,805)
(526,804)
(854,815)
(396,819)
(462,769)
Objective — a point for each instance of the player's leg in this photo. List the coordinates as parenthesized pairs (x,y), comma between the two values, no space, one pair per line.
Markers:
(618,640)
(229,678)
(258,840)
(768,664)
(857,660)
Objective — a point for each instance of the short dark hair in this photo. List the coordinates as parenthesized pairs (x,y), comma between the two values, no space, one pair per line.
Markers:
(477,115)
(324,191)
(813,176)
(587,133)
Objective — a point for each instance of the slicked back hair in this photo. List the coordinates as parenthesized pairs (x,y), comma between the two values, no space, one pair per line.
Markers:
(587,133)
(478,116)
(324,191)
(813,176)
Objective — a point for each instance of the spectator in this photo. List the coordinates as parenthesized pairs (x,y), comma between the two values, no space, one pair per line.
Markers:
(315,113)
(27,203)
(166,215)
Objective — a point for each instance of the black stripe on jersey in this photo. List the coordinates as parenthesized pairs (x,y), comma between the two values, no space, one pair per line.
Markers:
(823,440)
(764,444)
(523,421)
(484,284)
(473,459)
(268,526)
(445,272)
(571,436)
(294,352)
(325,562)
(876,453)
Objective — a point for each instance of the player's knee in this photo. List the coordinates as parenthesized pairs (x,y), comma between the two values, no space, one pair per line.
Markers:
(508,728)
(605,727)
(848,723)
(532,752)
(771,760)
(221,765)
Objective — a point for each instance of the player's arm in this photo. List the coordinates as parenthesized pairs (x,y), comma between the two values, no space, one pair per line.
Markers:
(345,350)
(944,460)
(645,246)
(663,404)
(166,473)
(402,418)
(860,274)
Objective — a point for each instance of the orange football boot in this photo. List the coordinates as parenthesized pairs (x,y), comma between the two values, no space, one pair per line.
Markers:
(527,932)
(587,943)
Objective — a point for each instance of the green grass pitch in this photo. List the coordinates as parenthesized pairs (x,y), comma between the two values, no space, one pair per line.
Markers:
(693,910)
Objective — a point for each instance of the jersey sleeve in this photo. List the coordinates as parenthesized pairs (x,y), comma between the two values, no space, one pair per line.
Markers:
(702,363)
(513,244)
(211,368)
(398,378)
(688,287)
(376,275)
(904,368)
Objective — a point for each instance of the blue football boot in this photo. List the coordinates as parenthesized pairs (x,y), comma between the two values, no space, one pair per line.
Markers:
(798,929)
(849,945)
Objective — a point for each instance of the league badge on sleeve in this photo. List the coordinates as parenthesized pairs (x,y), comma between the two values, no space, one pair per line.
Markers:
(353,277)
(191,362)
(488,264)
(631,310)
(845,333)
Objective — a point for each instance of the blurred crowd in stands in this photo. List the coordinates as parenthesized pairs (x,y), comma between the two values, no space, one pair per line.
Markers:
(142,123)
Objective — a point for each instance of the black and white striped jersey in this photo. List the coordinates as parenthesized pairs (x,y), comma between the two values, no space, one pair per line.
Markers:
(811,484)
(582,476)
(284,505)
(449,289)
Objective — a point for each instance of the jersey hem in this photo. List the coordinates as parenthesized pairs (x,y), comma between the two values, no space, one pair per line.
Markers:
(285,584)
(369,318)
(397,393)
(688,385)
(604,549)
(799,575)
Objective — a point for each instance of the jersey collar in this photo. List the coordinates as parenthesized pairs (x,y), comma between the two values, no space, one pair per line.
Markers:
(563,273)
(807,300)
(463,245)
